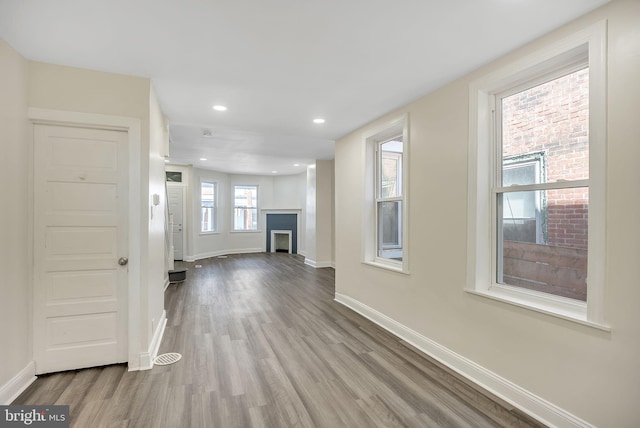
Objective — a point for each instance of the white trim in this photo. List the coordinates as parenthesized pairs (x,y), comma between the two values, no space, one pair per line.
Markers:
(133,127)
(481,249)
(280,232)
(222,253)
(146,358)
(17,384)
(536,407)
(166,284)
(317,265)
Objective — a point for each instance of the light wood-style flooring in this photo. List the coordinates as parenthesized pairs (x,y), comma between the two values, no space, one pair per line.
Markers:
(265,345)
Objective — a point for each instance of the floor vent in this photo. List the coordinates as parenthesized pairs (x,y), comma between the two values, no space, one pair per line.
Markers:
(166,359)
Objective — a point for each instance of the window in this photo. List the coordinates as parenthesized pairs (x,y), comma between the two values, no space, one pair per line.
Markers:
(552,117)
(536,180)
(208,198)
(386,211)
(245,208)
(174,176)
(389,198)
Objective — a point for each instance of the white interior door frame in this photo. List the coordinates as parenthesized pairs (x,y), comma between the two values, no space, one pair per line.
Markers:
(133,127)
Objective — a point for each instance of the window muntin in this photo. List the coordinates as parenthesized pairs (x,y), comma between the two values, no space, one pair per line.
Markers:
(208,207)
(245,208)
(389,198)
(541,219)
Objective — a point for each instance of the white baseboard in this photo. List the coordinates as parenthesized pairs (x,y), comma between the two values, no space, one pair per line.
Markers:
(537,407)
(147,357)
(166,284)
(21,381)
(222,253)
(316,264)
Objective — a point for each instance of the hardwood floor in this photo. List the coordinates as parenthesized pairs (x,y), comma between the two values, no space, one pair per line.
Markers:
(265,345)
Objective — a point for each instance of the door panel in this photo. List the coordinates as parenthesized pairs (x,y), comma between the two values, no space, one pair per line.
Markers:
(80,183)
(175,195)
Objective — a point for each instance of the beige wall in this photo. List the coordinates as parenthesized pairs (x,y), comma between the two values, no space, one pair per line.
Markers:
(157,276)
(15,293)
(590,373)
(324,210)
(319,218)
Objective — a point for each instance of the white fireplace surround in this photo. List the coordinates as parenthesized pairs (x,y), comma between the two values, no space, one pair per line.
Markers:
(274,234)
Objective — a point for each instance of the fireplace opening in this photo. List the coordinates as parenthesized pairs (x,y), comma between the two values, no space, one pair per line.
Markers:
(281,241)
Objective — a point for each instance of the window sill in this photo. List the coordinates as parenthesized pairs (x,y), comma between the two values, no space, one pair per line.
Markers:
(245,231)
(209,233)
(574,312)
(388,266)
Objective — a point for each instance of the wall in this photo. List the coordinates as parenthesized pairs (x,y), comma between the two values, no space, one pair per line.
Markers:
(589,373)
(274,193)
(320,214)
(157,278)
(324,211)
(310,215)
(15,291)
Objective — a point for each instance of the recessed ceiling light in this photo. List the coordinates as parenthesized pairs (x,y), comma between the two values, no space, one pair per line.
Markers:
(203,159)
(219,108)
(274,172)
(166,160)
(296,164)
(318,120)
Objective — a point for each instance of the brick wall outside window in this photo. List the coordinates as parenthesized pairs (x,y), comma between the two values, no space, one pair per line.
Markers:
(554,118)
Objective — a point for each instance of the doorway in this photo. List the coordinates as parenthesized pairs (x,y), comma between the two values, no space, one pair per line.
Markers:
(176,208)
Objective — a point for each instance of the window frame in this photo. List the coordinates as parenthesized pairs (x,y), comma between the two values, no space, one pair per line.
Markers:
(234,207)
(373,163)
(483,155)
(215,207)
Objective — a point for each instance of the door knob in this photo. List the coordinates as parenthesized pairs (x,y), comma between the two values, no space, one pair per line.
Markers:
(122,261)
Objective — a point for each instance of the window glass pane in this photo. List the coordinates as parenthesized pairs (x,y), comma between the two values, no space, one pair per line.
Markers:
(245,218)
(208,220)
(390,230)
(547,251)
(207,201)
(246,196)
(391,168)
(551,118)
(174,176)
(519,174)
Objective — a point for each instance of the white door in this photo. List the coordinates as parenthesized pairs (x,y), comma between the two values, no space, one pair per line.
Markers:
(175,208)
(80,233)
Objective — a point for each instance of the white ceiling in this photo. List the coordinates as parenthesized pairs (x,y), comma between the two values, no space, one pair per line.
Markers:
(278,64)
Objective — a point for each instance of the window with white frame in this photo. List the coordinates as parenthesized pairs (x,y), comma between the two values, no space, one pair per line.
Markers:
(245,208)
(389,198)
(386,211)
(208,206)
(536,183)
